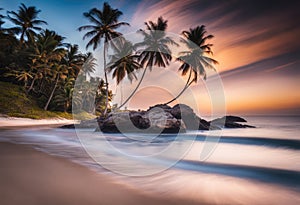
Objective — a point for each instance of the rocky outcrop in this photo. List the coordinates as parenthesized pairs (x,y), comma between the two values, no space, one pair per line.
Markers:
(190,119)
(83,124)
(160,119)
(154,120)
(230,122)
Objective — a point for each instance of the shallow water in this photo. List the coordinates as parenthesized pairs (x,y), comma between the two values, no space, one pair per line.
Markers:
(243,166)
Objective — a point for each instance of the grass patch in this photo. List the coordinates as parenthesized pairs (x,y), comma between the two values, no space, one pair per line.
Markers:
(15,103)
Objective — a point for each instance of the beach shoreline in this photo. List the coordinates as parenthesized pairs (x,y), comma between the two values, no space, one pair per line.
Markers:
(16,122)
(31,177)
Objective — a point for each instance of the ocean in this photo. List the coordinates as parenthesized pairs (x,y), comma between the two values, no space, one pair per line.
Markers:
(232,166)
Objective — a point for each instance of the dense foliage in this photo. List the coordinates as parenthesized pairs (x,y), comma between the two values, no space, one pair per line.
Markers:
(45,65)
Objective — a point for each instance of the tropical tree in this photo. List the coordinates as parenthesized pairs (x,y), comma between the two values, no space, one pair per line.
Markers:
(89,64)
(195,59)
(65,96)
(104,25)
(123,62)
(48,48)
(155,49)
(59,73)
(26,21)
(23,75)
(9,53)
(74,60)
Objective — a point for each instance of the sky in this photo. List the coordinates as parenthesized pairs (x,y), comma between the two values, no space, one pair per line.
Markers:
(255,41)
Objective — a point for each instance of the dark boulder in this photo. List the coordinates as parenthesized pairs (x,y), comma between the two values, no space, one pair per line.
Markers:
(190,119)
(154,120)
(230,122)
(237,125)
(69,126)
(159,119)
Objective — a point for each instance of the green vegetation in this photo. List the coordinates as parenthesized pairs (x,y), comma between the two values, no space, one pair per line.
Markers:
(38,69)
(42,70)
(104,25)
(15,103)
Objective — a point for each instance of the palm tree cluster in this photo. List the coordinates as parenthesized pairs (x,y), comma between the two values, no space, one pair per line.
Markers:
(154,50)
(48,67)
(44,64)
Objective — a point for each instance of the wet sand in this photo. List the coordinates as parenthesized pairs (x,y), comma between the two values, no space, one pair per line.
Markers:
(30,177)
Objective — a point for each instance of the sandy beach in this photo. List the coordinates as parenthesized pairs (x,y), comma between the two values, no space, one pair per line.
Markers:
(31,177)
(37,168)
(15,122)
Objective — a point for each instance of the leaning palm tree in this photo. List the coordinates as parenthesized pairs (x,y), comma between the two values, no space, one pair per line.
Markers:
(59,73)
(26,21)
(104,25)
(195,60)
(155,49)
(123,62)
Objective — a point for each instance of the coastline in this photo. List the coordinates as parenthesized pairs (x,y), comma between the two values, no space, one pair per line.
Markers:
(32,177)
(35,175)
(16,122)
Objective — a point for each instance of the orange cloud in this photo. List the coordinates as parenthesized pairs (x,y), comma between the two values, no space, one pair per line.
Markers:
(237,43)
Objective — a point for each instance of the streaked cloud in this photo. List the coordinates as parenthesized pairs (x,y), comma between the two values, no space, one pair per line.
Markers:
(256,43)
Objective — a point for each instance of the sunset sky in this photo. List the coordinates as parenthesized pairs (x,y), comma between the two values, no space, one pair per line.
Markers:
(256,43)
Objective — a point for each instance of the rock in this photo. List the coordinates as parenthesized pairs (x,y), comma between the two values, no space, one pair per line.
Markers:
(230,119)
(159,119)
(190,119)
(154,120)
(83,124)
(181,110)
(69,126)
(230,122)
(237,125)
(162,106)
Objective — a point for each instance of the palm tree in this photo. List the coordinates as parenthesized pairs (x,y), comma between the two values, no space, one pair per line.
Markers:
(155,49)
(103,26)
(74,59)
(26,21)
(195,60)
(59,72)
(123,62)
(20,76)
(47,49)
(65,97)
(89,64)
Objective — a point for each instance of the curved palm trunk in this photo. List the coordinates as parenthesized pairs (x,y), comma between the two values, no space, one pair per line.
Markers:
(52,93)
(121,92)
(133,92)
(31,85)
(106,81)
(187,85)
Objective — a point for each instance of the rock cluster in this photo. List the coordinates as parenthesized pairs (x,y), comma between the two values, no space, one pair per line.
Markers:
(160,119)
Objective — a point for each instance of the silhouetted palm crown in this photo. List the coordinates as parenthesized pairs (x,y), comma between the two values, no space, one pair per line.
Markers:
(103,25)
(195,58)
(123,62)
(26,21)
(155,50)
